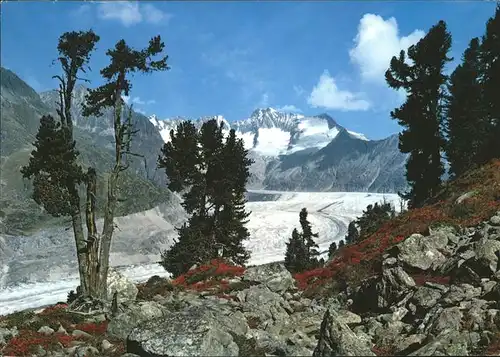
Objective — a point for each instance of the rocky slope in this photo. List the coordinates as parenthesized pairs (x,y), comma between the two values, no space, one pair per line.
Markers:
(21,109)
(310,153)
(436,295)
(426,283)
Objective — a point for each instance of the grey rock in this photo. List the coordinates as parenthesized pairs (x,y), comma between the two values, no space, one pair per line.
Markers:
(495,220)
(422,252)
(461,292)
(337,339)
(426,297)
(125,288)
(451,343)
(122,324)
(450,318)
(274,276)
(86,351)
(193,331)
(46,330)
(80,334)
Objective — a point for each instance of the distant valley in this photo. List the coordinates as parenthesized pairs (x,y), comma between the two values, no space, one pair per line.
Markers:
(292,152)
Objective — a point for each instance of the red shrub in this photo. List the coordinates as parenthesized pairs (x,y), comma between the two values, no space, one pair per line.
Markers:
(205,276)
(50,309)
(93,328)
(25,343)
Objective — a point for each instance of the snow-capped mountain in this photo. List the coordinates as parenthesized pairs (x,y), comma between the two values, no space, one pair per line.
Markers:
(299,152)
(269,132)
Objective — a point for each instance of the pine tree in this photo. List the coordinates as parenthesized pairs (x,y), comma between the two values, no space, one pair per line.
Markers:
(352,233)
(302,251)
(193,246)
(332,249)
(490,79)
(307,236)
(296,255)
(341,244)
(52,165)
(422,113)
(373,218)
(465,120)
(213,173)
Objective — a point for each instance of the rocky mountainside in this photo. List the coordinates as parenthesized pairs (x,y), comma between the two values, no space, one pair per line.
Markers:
(436,295)
(310,153)
(21,109)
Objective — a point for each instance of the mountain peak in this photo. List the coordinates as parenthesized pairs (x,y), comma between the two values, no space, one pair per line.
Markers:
(331,122)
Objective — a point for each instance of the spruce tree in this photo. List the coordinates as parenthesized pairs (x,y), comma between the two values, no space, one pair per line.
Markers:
(465,119)
(53,164)
(373,218)
(352,233)
(490,80)
(341,244)
(332,249)
(212,173)
(296,255)
(302,251)
(422,113)
(307,236)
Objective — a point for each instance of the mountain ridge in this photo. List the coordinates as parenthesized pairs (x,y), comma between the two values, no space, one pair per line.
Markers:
(310,153)
(21,110)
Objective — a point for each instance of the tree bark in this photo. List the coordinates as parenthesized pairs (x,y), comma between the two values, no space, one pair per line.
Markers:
(109,213)
(92,248)
(81,249)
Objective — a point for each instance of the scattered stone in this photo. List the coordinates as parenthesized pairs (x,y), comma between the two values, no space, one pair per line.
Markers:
(46,330)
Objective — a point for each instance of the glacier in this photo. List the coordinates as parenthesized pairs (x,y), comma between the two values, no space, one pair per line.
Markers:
(270,224)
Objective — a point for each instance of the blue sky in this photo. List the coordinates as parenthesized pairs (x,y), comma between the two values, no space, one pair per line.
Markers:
(230,58)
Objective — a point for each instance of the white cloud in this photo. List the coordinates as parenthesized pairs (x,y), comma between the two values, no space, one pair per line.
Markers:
(131,13)
(377,41)
(289,108)
(326,94)
(137,100)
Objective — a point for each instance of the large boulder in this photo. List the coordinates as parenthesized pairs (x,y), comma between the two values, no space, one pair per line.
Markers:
(193,331)
(123,286)
(274,276)
(121,325)
(337,339)
(422,252)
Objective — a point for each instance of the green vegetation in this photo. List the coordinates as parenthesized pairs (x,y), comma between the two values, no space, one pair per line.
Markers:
(301,251)
(57,176)
(213,172)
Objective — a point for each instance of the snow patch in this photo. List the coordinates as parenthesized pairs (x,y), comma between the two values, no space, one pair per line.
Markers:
(272,141)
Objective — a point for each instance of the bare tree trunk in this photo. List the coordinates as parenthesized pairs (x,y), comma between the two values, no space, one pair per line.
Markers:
(93,240)
(81,249)
(109,213)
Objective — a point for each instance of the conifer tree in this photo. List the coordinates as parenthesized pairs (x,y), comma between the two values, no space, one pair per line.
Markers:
(373,218)
(307,236)
(296,255)
(465,118)
(332,249)
(352,233)
(490,80)
(302,251)
(53,164)
(422,113)
(341,244)
(213,173)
